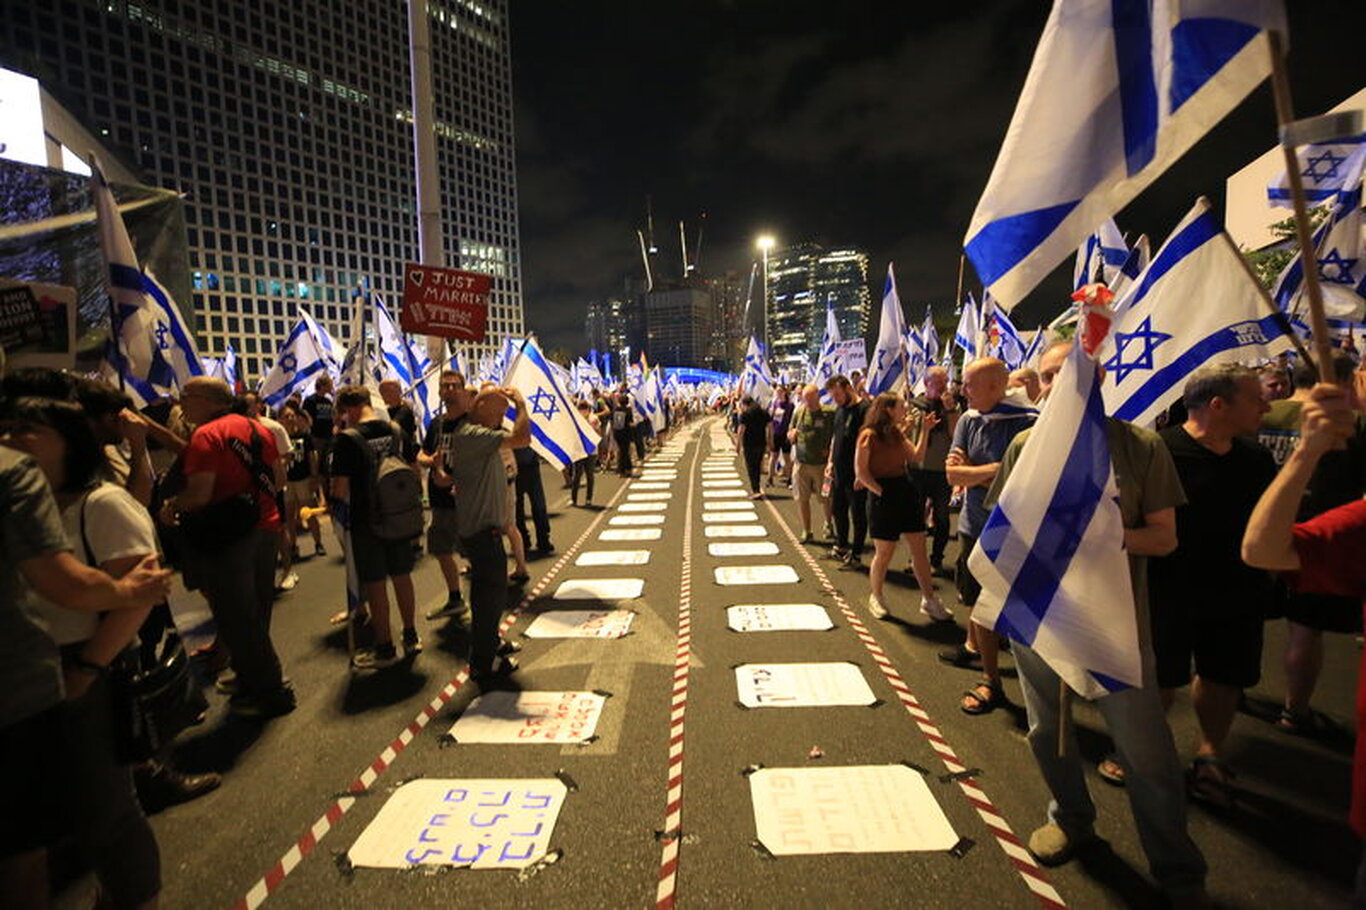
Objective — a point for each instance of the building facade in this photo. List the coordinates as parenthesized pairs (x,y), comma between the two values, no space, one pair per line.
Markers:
(802,280)
(288,129)
(679,325)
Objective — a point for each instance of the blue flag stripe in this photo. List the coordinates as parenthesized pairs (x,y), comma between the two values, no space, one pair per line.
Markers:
(1000,245)
(1133,30)
(1200,48)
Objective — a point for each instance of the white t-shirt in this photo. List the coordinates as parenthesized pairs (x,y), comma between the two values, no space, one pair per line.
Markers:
(282,441)
(116,526)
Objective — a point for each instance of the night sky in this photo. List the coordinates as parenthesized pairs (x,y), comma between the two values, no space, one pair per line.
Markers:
(872,124)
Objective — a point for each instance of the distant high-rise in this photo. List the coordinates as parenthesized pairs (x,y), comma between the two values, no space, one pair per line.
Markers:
(288,129)
(678,322)
(802,280)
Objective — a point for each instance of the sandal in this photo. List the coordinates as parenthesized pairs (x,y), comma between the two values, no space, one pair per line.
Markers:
(982,698)
(1210,780)
(1110,770)
(1310,724)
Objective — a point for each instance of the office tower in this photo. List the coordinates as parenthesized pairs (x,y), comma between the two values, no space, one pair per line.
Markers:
(802,280)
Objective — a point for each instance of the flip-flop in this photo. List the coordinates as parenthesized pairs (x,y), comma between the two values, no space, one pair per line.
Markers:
(1110,770)
(994,699)
(1210,780)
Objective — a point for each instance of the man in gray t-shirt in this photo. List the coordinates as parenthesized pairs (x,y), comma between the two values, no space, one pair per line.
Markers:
(476,466)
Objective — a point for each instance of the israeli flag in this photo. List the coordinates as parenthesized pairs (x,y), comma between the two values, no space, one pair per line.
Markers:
(1118,91)
(1035,349)
(886,371)
(757,379)
(559,433)
(1051,559)
(1337,246)
(225,368)
(916,359)
(405,360)
(1326,169)
(827,364)
(1100,256)
(301,359)
(965,336)
(1006,343)
(929,337)
(1160,337)
(151,347)
(1133,266)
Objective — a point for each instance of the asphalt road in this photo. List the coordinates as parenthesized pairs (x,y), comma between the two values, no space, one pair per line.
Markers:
(1285,843)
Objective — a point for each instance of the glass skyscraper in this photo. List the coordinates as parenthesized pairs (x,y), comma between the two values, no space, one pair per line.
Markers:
(802,280)
(287,126)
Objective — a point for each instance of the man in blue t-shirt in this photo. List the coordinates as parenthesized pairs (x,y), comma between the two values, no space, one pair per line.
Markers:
(979,441)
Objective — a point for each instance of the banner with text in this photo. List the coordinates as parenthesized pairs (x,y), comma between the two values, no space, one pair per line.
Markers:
(445,302)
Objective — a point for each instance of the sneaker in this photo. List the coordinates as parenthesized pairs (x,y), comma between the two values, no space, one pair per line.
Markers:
(852,562)
(498,677)
(934,608)
(519,578)
(877,607)
(280,703)
(454,606)
(412,645)
(837,553)
(294,554)
(376,658)
(319,550)
(828,531)
(227,683)
(807,537)
(545,549)
(289,582)
(1052,846)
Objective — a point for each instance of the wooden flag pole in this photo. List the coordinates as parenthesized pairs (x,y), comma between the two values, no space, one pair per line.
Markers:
(1318,323)
(958,295)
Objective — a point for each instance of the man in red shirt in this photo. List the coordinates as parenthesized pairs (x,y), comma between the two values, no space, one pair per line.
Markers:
(1325,552)
(229,517)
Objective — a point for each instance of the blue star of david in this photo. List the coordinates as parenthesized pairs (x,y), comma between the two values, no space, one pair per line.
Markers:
(1341,268)
(1144,361)
(161,332)
(289,363)
(1330,162)
(544,403)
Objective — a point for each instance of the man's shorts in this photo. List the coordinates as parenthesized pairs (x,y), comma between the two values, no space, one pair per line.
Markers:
(34,761)
(810,479)
(1225,645)
(378,559)
(969,589)
(441,537)
(781,443)
(299,493)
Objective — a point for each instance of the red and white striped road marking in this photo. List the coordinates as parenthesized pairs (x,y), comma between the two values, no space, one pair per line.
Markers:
(672,833)
(269,883)
(1025,864)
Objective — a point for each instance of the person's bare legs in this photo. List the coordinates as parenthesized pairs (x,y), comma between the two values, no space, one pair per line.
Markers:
(406,598)
(1303,663)
(920,562)
(377,594)
(450,570)
(1215,707)
(518,547)
(883,550)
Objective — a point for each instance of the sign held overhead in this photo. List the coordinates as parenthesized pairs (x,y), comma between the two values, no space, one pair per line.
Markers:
(445,302)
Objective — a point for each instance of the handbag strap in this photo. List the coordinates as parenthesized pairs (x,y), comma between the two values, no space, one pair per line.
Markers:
(252,461)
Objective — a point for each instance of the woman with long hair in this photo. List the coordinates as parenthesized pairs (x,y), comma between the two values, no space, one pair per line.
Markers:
(110,530)
(882,462)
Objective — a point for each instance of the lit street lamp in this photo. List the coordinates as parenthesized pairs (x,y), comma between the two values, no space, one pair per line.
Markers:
(765,242)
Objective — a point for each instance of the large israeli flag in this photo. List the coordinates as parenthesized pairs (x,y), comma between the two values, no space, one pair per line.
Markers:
(757,379)
(1117,91)
(827,364)
(151,348)
(887,370)
(1337,245)
(1006,343)
(559,433)
(1051,558)
(1326,169)
(301,359)
(916,359)
(405,360)
(969,324)
(1161,335)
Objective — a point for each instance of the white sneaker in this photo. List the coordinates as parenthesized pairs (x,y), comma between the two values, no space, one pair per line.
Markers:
(934,608)
(288,582)
(877,607)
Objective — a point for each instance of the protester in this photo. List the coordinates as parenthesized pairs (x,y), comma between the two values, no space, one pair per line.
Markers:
(896,511)
(442,536)
(584,469)
(979,440)
(1149,493)
(531,488)
(111,531)
(813,426)
(303,480)
(400,412)
(752,441)
(380,561)
(846,499)
(1275,383)
(318,406)
(34,754)
(935,438)
(1027,379)
(520,573)
(228,513)
(602,411)
(1339,477)
(781,410)
(481,514)
(623,430)
(1208,607)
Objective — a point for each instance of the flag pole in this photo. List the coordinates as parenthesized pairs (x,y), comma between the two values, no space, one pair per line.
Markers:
(1318,323)
(958,295)
(1266,298)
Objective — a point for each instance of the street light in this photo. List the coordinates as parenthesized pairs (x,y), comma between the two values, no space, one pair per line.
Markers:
(765,242)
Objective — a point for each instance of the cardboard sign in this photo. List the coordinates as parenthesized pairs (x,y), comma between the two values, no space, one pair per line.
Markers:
(478,824)
(37,324)
(445,302)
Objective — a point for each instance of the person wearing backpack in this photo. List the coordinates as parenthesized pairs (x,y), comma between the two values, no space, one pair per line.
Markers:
(373,476)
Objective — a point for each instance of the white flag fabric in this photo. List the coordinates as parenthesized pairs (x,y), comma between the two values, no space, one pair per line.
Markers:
(151,348)
(929,337)
(224,368)
(559,433)
(1006,344)
(1161,336)
(1051,558)
(1118,90)
(1100,255)
(757,380)
(1337,245)
(405,360)
(1326,169)
(885,373)
(302,358)
(1035,349)
(965,336)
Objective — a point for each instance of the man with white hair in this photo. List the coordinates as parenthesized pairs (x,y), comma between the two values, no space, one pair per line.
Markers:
(813,425)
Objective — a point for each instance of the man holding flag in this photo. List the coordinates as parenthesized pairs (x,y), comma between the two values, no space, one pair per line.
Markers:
(1092,498)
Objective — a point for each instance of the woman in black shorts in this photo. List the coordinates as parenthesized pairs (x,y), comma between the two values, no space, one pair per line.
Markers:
(896,510)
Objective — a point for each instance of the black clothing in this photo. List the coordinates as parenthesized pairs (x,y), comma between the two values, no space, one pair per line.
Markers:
(848,421)
(298,459)
(438,439)
(319,407)
(754,423)
(349,461)
(529,485)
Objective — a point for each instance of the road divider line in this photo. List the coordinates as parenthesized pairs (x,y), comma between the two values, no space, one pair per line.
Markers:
(1024,863)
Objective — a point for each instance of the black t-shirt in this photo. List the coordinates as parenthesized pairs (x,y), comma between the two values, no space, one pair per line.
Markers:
(402,415)
(1221,492)
(298,468)
(319,407)
(438,439)
(623,416)
(848,421)
(350,462)
(754,423)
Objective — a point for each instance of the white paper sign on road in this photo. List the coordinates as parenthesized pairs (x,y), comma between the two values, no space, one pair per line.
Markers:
(529,718)
(600,589)
(743,548)
(778,618)
(852,809)
(636,520)
(613,558)
(650,485)
(756,575)
(643,507)
(581,624)
(726,494)
(806,685)
(620,534)
(476,823)
(722,484)
(661,496)
(735,531)
(728,517)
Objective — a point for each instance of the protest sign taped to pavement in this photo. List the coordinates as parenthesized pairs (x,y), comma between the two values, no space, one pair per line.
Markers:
(581,624)
(613,558)
(619,534)
(778,618)
(529,718)
(600,589)
(801,685)
(755,530)
(756,575)
(743,548)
